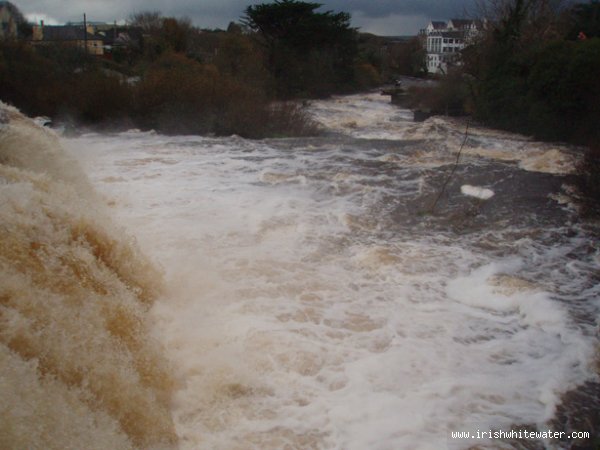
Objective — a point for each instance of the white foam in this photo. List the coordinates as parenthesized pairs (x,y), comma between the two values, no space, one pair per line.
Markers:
(372,116)
(477,192)
(78,365)
(294,317)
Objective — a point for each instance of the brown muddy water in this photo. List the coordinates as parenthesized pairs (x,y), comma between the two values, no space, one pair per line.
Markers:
(220,293)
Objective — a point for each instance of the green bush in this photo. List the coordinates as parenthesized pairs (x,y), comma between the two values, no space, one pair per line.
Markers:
(99,99)
(564,91)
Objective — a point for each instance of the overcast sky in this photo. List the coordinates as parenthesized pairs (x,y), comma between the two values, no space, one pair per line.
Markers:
(383,17)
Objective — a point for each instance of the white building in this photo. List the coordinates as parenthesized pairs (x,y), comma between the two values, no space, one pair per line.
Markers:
(444,41)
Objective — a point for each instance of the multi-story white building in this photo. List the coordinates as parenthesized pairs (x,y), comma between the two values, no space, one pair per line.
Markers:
(444,41)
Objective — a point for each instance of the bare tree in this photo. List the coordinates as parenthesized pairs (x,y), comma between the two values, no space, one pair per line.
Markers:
(149,21)
(525,21)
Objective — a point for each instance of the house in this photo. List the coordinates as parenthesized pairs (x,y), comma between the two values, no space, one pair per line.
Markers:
(122,39)
(470,27)
(435,26)
(444,41)
(9,20)
(72,35)
(114,37)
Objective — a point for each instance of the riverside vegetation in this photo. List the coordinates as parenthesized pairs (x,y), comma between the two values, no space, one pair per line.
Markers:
(534,70)
(187,80)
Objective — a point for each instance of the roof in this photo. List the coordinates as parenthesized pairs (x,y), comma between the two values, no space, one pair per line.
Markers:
(66,33)
(438,25)
(453,34)
(465,23)
(120,35)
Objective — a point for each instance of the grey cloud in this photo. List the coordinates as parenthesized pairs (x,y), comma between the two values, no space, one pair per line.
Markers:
(381,8)
(218,13)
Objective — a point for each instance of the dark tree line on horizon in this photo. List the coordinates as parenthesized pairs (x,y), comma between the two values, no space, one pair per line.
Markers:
(533,70)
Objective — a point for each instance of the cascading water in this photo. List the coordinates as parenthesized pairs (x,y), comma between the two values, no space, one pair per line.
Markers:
(79,367)
(312,299)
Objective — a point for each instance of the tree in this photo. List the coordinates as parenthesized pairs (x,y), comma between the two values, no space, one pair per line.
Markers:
(307,51)
(296,24)
(585,18)
(526,77)
(175,33)
(160,34)
(407,58)
(23,28)
(149,21)
(239,57)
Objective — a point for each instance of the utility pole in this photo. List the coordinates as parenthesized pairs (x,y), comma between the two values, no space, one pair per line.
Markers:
(85,33)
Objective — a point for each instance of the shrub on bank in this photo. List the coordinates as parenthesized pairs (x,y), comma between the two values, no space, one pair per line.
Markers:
(29,81)
(253,117)
(450,96)
(175,96)
(95,98)
(182,96)
(366,76)
(60,81)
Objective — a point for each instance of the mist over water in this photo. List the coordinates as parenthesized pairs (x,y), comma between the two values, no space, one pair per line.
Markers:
(311,299)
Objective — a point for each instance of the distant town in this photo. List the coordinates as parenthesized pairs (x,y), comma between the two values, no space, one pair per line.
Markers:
(442,41)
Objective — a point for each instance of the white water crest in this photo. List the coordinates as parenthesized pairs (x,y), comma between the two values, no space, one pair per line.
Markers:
(79,366)
(477,192)
(313,300)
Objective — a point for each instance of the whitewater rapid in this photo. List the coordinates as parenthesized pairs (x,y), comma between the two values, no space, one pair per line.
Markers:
(314,301)
(79,366)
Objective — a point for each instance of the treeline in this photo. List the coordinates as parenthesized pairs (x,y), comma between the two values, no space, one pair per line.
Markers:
(535,70)
(176,78)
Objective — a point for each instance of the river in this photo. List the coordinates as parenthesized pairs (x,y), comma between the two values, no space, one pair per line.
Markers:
(317,296)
